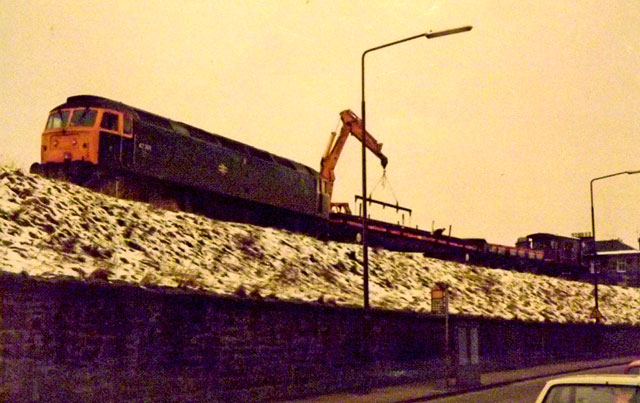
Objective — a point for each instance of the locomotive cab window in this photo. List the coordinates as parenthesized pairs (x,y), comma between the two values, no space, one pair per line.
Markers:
(57,120)
(128,125)
(109,121)
(84,117)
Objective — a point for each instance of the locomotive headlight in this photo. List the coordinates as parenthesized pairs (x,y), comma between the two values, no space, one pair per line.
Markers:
(74,142)
(55,143)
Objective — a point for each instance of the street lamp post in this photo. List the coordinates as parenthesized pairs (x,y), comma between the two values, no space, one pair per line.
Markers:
(593,233)
(365,254)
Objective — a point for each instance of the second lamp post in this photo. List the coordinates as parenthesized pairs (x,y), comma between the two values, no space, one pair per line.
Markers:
(596,312)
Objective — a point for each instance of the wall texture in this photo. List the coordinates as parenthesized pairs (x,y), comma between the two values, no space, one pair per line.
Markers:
(66,340)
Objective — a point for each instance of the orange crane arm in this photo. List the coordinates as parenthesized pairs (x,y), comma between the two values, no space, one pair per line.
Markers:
(351,124)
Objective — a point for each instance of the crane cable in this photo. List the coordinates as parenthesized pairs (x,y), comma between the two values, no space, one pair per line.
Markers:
(383,179)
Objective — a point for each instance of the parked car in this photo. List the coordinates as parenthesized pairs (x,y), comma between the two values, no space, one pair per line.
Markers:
(633,368)
(595,388)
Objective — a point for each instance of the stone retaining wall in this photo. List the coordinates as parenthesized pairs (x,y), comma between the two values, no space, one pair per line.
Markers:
(67,340)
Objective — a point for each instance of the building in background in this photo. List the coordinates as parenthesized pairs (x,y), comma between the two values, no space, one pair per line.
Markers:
(618,263)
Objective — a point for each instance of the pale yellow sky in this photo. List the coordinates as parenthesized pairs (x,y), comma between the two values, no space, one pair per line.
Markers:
(496,132)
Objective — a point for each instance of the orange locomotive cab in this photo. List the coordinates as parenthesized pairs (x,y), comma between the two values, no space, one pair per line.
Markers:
(73,134)
(71,139)
(70,135)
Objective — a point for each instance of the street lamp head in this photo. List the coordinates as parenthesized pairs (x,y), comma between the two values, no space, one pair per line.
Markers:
(431,35)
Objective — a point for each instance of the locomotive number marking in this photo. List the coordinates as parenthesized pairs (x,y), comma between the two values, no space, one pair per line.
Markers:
(144,147)
(222,168)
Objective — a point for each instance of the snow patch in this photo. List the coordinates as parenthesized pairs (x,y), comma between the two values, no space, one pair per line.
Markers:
(51,229)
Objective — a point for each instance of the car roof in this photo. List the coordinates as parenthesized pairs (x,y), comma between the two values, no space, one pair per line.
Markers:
(635,363)
(597,379)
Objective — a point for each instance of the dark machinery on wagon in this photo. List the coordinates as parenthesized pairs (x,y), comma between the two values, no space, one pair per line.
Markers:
(124,151)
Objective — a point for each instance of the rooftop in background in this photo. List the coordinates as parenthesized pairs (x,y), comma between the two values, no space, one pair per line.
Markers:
(613,245)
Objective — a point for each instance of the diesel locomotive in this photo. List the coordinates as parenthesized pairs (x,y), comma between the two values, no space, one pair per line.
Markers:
(115,148)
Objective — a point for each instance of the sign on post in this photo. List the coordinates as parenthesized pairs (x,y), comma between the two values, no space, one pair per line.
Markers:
(439,299)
